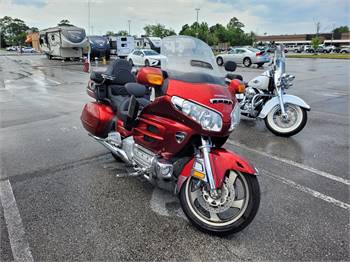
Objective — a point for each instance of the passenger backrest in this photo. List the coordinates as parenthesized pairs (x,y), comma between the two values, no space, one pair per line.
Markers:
(119,72)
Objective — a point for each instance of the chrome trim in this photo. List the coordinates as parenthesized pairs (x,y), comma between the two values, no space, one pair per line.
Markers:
(121,153)
(221,100)
(205,151)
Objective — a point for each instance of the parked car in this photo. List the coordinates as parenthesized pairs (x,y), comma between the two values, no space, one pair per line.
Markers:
(28,50)
(145,57)
(242,55)
(345,49)
(11,48)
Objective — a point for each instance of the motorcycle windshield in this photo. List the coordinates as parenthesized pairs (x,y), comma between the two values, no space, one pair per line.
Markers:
(280,64)
(189,59)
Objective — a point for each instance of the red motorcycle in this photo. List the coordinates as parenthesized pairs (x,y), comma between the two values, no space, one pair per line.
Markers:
(175,139)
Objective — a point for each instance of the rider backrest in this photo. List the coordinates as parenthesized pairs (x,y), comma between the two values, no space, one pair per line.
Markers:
(119,72)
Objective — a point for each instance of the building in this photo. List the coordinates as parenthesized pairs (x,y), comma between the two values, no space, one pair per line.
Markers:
(305,39)
(33,40)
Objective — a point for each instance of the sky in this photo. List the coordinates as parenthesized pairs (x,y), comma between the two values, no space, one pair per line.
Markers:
(260,16)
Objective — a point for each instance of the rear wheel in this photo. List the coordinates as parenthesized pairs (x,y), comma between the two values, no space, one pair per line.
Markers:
(286,126)
(220,61)
(131,62)
(247,62)
(230,211)
(260,64)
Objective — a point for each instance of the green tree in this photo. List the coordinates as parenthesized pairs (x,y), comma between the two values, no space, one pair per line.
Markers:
(64,22)
(110,33)
(341,29)
(122,33)
(13,30)
(158,30)
(315,42)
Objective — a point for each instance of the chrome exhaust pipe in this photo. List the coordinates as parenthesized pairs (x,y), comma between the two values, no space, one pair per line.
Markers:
(116,150)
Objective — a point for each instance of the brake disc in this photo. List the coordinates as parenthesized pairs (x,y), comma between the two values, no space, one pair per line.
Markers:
(221,204)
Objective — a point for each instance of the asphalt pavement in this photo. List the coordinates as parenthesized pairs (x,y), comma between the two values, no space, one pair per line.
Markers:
(64,197)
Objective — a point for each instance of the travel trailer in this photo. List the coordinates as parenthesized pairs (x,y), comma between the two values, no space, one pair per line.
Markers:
(99,47)
(121,46)
(63,41)
(145,42)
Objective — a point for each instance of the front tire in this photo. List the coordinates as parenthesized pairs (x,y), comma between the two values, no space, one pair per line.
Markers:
(243,205)
(247,62)
(220,61)
(297,118)
(146,63)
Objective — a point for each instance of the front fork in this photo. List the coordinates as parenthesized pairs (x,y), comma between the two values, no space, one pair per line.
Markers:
(205,150)
(280,98)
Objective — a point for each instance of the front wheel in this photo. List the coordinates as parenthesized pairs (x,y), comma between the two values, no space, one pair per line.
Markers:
(220,61)
(290,124)
(247,62)
(230,211)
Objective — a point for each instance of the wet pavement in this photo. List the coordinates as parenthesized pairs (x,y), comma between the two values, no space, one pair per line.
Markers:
(73,206)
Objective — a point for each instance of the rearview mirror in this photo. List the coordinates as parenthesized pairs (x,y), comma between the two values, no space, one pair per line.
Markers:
(230,66)
(150,76)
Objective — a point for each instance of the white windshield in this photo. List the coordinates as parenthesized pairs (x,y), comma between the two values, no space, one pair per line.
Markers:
(188,54)
(280,64)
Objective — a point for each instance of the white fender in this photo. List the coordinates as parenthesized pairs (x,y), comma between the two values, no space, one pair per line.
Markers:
(287,99)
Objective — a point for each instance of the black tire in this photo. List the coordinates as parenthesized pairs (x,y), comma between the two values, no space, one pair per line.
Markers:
(131,62)
(220,61)
(146,62)
(108,57)
(260,64)
(247,62)
(240,224)
(291,133)
(343,52)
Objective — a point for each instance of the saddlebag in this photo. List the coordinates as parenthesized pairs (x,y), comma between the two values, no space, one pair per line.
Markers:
(97,118)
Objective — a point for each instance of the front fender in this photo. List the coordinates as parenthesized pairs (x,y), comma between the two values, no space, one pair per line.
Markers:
(290,99)
(221,160)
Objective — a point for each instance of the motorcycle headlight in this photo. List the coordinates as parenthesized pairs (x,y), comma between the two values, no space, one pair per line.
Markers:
(235,117)
(208,119)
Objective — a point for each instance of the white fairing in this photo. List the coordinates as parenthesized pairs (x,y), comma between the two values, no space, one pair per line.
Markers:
(261,81)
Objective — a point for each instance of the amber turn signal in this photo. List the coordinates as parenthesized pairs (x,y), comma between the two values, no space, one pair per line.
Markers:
(236,86)
(198,175)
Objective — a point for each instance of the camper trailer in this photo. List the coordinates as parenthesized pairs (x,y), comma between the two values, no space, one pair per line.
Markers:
(121,46)
(153,43)
(99,47)
(63,41)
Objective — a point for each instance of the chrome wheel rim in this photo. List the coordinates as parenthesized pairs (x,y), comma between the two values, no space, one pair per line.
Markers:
(293,120)
(223,210)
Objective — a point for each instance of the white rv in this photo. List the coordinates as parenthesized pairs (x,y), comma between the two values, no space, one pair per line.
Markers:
(149,42)
(121,46)
(63,41)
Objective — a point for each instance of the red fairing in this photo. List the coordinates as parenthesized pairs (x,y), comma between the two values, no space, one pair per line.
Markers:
(97,118)
(221,160)
(201,93)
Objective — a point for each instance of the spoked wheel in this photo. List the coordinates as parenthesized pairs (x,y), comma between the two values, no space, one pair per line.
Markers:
(231,210)
(291,124)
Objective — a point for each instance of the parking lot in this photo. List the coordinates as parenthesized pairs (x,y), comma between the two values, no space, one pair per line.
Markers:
(68,199)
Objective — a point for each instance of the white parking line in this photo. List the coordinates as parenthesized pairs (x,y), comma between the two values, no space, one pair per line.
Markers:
(19,244)
(307,190)
(53,81)
(293,163)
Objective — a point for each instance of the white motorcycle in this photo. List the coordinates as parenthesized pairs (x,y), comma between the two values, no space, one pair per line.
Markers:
(265,98)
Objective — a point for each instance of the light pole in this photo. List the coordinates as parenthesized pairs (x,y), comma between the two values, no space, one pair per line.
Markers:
(197,10)
(129,21)
(89,25)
